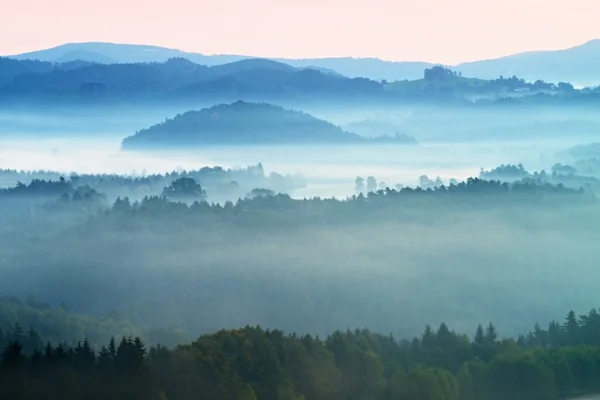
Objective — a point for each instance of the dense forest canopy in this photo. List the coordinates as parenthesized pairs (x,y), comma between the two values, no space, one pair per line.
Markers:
(252,363)
(207,266)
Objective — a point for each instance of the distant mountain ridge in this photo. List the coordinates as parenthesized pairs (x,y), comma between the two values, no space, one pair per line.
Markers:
(179,81)
(579,65)
(175,79)
(131,53)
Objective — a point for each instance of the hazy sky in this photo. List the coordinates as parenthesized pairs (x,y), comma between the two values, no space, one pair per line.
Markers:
(445,31)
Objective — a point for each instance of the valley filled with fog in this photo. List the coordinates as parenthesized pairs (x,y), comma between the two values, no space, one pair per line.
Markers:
(72,143)
(170,200)
(416,255)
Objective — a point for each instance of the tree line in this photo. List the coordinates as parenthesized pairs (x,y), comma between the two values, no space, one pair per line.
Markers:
(255,363)
(220,184)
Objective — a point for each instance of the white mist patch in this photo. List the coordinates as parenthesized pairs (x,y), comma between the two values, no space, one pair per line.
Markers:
(329,170)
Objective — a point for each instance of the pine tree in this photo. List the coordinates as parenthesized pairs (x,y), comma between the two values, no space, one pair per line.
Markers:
(12,356)
(479,335)
(34,341)
(554,333)
(541,336)
(571,328)
(428,340)
(490,334)
(444,336)
(112,348)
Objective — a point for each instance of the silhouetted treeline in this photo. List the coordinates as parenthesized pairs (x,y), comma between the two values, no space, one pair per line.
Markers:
(253,363)
(11,68)
(56,324)
(219,183)
(281,207)
(584,175)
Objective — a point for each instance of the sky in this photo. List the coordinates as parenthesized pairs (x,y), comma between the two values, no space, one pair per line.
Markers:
(443,31)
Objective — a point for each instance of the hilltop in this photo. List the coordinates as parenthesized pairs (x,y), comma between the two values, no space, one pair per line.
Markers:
(241,123)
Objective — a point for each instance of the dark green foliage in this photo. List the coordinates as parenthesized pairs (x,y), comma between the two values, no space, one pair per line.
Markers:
(252,363)
(56,325)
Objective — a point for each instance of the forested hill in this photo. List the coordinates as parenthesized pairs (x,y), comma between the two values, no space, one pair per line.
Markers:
(29,82)
(175,79)
(240,123)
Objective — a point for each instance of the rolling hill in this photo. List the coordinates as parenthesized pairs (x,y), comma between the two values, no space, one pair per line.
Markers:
(579,65)
(179,81)
(239,123)
(175,79)
(130,53)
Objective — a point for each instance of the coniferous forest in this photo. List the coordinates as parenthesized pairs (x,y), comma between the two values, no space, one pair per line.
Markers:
(556,362)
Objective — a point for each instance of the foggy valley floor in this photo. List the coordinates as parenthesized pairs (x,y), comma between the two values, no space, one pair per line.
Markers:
(328,170)
(172,246)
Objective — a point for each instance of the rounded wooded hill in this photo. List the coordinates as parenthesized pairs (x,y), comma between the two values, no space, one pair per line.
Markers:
(239,123)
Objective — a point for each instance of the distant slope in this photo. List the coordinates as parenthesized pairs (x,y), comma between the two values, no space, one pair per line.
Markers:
(371,68)
(57,324)
(239,123)
(86,55)
(578,65)
(176,79)
(11,68)
(129,53)
(122,53)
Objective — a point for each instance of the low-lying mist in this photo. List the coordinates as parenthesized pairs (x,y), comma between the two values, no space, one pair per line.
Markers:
(329,170)
(391,264)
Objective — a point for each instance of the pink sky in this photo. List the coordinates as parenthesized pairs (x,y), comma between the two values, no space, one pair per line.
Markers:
(447,31)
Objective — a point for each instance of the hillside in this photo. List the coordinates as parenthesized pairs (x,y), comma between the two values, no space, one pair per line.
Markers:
(578,65)
(371,68)
(55,324)
(175,79)
(236,124)
(122,53)
(178,80)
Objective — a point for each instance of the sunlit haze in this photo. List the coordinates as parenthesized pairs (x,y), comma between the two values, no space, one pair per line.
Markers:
(435,31)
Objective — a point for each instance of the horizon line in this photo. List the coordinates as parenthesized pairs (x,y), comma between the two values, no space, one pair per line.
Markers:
(297,58)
